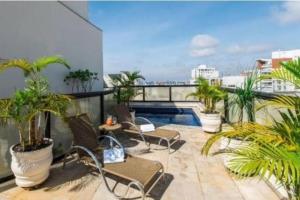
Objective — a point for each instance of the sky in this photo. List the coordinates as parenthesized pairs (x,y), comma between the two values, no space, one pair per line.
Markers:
(165,40)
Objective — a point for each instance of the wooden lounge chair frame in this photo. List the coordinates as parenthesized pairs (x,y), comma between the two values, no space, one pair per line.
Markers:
(136,130)
(104,169)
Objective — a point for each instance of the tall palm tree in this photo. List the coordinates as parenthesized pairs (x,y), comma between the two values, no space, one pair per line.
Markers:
(27,106)
(272,150)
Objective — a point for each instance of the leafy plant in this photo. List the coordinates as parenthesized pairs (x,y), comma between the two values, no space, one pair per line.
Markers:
(209,95)
(82,80)
(26,107)
(272,150)
(243,99)
(125,83)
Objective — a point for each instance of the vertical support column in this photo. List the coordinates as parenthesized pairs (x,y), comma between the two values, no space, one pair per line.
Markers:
(144,95)
(48,125)
(170,93)
(226,108)
(252,118)
(118,93)
(102,108)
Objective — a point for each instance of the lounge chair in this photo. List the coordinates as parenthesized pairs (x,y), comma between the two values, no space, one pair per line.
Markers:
(130,126)
(141,173)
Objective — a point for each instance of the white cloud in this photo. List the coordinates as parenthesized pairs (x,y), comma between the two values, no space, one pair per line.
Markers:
(203,45)
(239,49)
(202,52)
(204,41)
(289,12)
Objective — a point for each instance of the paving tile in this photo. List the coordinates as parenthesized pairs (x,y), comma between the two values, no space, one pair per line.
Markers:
(189,176)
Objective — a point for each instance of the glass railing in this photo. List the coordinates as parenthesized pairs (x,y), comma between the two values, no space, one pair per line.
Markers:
(263,114)
(179,93)
(164,93)
(96,104)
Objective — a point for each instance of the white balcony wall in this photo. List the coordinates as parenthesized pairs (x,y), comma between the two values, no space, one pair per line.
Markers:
(33,29)
(80,7)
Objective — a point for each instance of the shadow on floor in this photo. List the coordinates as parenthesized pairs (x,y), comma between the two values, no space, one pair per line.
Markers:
(134,141)
(76,176)
(175,147)
(157,191)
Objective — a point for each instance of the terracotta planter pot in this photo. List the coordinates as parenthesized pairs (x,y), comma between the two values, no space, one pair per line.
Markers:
(211,122)
(31,168)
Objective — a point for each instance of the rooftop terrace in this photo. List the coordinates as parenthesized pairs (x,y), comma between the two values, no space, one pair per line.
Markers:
(189,175)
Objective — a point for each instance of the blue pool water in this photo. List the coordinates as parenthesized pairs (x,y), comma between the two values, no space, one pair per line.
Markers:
(181,116)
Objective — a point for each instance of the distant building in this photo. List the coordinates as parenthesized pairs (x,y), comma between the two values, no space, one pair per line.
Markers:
(233,81)
(167,83)
(209,73)
(266,66)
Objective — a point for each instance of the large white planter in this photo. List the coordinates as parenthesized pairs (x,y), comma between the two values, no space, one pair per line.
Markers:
(211,122)
(31,168)
(232,143)
(277,187)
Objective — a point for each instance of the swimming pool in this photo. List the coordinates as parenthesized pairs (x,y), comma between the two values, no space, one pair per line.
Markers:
(181,116)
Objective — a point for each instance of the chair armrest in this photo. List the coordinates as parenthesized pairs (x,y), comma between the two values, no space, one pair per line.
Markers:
(131,124)
(89,153)
(111,140)
(137,128)
(145,119)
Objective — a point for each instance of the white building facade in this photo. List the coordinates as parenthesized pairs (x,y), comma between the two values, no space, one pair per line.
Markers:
(266,66)
(209,73)
(233,81)
(34,29)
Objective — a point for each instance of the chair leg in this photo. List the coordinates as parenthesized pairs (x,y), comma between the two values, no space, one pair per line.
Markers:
(139,186)
(169,146)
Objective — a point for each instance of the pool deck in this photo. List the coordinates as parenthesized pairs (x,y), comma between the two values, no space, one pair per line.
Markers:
(189,176)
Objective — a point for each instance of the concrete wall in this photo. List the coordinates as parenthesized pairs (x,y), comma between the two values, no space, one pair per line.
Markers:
(80,7)
(34,29)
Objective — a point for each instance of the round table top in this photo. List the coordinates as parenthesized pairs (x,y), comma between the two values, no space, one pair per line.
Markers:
(110,127)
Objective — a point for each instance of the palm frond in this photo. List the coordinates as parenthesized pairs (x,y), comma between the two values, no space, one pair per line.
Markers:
(5,104)
(41,63)
(265,159)
(289,71)
(245,132)
(22,64)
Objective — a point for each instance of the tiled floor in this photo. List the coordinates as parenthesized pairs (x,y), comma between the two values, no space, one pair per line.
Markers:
(189,176)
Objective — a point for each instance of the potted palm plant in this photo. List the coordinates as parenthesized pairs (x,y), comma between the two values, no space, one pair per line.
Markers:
(82,80)
(209,95)
(126,92)
(27,108)
(241,103)
(272,151)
